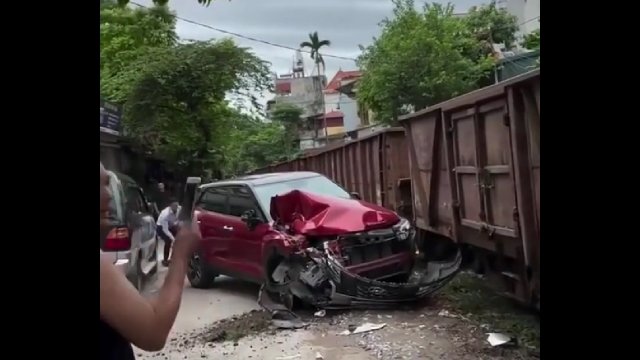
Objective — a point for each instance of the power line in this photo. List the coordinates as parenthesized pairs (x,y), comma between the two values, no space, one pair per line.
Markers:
(530,20)
(244,36)
(285,46)
(269,42)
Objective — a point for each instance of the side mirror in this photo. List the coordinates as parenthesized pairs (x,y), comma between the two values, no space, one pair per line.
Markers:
(250,217)
(355,195)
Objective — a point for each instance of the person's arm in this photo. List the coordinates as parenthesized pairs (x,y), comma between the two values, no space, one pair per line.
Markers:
(144,322)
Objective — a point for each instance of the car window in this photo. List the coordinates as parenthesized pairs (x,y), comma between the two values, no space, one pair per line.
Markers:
(240,200)
(317,185)
(135,200)
(213,199)
(116,205)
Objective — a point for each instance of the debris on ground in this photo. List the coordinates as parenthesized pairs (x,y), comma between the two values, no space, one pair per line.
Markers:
(497,339)
(285,319)
(291,357)
(237,327)
(492,312)
(320,313)
(362,328)
(319,356)
(446,313)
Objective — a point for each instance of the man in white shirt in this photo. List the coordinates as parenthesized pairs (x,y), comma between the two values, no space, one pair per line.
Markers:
(166,228)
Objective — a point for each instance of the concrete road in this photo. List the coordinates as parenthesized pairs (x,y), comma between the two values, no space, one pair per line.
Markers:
(202,307)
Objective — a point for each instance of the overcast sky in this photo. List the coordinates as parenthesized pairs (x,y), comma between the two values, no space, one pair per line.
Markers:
(346,23)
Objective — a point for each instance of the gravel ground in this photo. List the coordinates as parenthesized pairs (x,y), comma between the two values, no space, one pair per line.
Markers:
(427,333)
(225,323)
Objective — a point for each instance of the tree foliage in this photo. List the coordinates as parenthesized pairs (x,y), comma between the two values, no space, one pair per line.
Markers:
(289,116)
(492,25)
(126,34)
(421,58)
(176,99)
(254,144)
(531,41)
(315,44)
(183,102)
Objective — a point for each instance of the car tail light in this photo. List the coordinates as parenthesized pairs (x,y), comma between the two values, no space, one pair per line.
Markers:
(118,240)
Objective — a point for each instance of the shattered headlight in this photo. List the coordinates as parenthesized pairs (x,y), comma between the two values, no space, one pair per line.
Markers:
(404,230)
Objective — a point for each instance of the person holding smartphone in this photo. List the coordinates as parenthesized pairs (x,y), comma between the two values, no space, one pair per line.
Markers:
(142,322)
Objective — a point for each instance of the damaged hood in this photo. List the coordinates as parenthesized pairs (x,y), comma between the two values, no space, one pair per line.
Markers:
(317,215)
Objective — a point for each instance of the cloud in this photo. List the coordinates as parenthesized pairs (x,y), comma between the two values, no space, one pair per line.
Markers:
(347,23)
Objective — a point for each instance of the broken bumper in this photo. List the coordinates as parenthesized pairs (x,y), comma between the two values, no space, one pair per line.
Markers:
(325,283)
(352,290)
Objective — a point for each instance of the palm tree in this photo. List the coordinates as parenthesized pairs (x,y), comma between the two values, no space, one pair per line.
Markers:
(315,44)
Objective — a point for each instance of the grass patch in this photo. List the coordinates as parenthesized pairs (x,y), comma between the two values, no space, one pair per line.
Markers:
(472,297)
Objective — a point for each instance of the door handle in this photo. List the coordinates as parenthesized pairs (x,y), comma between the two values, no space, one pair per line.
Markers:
(227,228)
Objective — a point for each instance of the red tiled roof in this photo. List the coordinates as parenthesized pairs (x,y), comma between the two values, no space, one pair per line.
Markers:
(334,84)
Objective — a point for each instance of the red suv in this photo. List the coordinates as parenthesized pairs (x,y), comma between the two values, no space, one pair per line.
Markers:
(303,236)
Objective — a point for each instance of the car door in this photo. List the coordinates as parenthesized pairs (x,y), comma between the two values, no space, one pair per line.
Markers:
(142,228)
(245,244)
(211,206)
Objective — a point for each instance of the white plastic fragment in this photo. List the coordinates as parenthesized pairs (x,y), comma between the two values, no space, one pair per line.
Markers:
(366,327)
(497,339)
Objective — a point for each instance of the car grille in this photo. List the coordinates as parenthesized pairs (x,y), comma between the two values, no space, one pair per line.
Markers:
(366,247)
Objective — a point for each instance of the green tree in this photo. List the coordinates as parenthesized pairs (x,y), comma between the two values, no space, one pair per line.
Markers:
(315,44)
(492,25)
(127,33)
(254,144)
(532,40)
(421,58)
(176,99)
(290,116)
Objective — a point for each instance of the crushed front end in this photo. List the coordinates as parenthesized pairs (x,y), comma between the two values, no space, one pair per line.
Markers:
(333,275)
(369,266)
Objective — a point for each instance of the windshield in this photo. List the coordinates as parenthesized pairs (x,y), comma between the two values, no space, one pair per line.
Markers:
(317,185)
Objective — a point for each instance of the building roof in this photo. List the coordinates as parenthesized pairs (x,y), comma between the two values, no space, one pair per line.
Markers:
(334,84)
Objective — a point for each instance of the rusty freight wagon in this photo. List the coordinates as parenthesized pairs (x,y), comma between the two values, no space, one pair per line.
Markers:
(467,171)
(475,171)
(375,166)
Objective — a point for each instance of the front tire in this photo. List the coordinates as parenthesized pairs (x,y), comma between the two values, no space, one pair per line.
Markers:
(199,274)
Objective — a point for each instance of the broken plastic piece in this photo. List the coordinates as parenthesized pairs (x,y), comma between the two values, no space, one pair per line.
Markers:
(313,276)
(290,357)
(284,319)
(366,327)
(497,339)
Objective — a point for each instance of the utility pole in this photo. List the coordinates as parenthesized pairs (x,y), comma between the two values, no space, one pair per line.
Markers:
(324,112)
